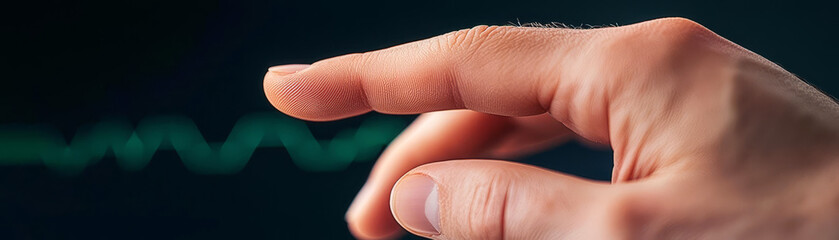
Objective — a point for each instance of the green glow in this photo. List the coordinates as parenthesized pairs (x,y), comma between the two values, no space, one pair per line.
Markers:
(133,149)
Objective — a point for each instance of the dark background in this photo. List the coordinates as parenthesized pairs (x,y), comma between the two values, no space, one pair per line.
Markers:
(67,64)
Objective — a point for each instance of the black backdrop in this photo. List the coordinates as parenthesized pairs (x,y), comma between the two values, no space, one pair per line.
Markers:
(67,64)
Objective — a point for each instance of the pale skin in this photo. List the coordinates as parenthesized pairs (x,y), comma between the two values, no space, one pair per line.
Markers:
(710,140)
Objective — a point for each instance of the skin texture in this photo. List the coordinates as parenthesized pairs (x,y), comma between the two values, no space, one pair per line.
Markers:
(710,140)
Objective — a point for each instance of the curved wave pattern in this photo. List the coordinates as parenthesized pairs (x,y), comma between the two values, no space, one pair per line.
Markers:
(134,148)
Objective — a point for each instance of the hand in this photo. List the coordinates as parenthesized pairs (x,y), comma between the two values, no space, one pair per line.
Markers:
(710,140)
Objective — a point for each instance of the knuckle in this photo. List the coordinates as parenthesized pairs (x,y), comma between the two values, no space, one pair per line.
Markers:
(486,207)
(629,215)
(356,60)
(678,25)
(662,39)
(661,47)
(680,33)
(472,38)
(675,36)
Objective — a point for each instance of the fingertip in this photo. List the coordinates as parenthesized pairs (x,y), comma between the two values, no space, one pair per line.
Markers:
(270,83)
(365,226)
(366,218)
(361,232)
(312,96)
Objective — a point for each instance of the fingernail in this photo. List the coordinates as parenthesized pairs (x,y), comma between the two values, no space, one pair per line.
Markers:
(288,68)
(415,204)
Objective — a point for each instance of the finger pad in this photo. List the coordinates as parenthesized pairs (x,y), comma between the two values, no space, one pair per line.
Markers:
(313,98)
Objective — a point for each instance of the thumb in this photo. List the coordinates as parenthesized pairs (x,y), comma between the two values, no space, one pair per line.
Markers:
(483,199)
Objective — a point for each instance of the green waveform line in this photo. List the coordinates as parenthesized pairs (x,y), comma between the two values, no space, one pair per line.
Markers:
(134,148)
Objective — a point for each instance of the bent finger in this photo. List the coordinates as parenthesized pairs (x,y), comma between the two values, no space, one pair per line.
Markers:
(441,136)
(481,199)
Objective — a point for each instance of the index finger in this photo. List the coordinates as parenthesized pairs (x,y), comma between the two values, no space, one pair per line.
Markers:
(499,70)
(617,85)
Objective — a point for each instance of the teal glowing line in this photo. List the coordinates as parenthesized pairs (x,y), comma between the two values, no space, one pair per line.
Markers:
(133,149)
